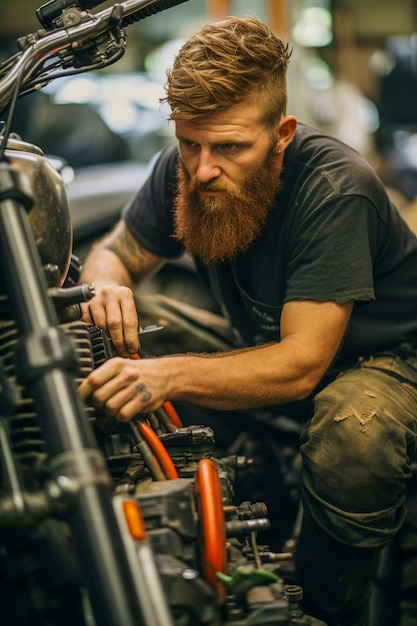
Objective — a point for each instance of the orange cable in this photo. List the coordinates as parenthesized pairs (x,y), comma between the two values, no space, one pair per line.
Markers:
(212,524)
(158,449)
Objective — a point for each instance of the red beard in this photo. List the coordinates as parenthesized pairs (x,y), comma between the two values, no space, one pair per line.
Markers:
(218,229)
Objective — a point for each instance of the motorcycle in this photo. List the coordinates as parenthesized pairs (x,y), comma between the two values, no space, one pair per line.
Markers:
(133,525)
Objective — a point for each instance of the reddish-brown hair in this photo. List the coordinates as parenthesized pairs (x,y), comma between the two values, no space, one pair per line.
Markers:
(229,62)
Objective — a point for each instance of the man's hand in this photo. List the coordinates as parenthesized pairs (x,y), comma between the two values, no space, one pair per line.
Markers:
(115,265)
(122,388)
(113,309)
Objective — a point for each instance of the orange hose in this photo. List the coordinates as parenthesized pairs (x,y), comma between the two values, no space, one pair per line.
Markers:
(158,449)
(172,414)
(212,525)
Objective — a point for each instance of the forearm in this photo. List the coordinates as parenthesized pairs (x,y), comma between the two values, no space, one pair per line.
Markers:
(104,266)
(274,373)
(261,376)
(118,259)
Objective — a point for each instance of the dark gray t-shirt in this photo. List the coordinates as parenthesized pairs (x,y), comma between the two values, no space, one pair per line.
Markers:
(333,235)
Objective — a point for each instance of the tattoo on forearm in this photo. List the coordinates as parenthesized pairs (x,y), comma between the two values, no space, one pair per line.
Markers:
(129,251)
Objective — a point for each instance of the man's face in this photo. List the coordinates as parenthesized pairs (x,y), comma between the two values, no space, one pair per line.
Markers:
(228,179)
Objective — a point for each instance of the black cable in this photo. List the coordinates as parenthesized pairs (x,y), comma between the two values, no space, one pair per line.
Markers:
(43,79)
(48,77)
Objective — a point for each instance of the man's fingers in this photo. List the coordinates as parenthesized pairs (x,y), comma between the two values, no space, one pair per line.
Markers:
(86,314)
(113,308)
(122,324)
(130,325)
(85,389)
(116,388)
(98,378)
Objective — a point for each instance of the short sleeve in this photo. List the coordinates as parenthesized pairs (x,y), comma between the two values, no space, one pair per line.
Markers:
(333,251)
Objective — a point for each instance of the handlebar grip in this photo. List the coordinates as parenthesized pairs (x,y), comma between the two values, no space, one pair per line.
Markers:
(151,9)
(51,10)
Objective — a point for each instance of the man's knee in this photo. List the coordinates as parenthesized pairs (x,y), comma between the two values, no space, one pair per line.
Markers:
(355,449)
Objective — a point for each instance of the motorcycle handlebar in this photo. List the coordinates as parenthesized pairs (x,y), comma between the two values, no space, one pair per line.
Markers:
(47,44)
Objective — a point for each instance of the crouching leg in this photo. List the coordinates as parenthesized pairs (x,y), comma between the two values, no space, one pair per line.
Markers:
(357,452)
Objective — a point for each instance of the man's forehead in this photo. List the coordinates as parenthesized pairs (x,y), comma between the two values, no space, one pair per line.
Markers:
(237,119)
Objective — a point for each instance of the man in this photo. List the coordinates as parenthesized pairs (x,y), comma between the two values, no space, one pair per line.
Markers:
(316,272)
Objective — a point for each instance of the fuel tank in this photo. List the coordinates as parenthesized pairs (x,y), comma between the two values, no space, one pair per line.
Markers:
(49,216)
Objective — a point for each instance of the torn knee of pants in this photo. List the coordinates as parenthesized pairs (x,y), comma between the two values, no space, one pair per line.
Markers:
(363,417)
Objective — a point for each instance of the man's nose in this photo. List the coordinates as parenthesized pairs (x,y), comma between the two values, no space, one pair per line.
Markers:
(207,168)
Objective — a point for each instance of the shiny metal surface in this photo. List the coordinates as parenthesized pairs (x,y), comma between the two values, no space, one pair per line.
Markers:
(49,217)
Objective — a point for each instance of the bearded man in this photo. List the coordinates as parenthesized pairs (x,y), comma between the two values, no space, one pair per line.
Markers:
(315,271)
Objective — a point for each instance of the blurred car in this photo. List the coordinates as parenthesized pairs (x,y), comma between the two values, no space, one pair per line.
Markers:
(97,194)
(96,118)
(107,128)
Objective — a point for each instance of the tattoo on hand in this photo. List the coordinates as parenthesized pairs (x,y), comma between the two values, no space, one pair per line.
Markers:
(145,393)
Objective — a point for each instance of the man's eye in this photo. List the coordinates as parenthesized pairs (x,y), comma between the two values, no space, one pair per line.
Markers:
(188,143)
(229,147)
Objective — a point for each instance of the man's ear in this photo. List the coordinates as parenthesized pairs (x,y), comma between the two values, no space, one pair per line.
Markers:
(286,131)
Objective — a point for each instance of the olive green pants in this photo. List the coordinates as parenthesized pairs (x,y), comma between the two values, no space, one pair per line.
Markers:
(357,453)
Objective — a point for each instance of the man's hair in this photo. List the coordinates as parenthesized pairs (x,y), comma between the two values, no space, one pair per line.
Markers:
(229,62)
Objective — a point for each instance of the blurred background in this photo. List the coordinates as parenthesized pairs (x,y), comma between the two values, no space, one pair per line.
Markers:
(353,73)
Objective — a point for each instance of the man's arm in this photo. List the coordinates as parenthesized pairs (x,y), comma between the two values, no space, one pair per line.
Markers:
(275,373)
(114,265)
